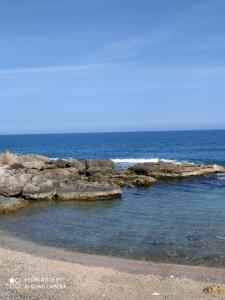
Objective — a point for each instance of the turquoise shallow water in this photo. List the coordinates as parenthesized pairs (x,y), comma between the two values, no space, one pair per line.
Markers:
(181,221)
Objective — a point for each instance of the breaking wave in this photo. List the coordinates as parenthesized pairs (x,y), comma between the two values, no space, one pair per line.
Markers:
(221,176)
(124,162)
(142,160)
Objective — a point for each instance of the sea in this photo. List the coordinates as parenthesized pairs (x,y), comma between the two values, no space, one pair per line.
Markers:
(177,221)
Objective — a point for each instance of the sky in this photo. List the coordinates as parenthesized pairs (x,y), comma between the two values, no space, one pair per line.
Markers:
(111,65)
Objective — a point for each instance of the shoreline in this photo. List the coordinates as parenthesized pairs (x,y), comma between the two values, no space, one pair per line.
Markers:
(84,276)
(199,273)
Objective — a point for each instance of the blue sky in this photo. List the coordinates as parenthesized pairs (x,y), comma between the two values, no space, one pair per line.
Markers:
(109,65)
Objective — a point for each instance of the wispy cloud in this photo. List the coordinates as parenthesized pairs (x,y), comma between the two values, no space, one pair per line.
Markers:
(129,47)
(52,69)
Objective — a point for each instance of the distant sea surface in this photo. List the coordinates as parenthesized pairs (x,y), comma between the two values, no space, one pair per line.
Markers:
(175,221)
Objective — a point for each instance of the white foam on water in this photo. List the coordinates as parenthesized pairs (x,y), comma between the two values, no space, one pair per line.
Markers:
(144,160)
(221,176)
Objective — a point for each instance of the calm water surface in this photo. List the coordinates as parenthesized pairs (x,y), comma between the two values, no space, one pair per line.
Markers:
(178,221)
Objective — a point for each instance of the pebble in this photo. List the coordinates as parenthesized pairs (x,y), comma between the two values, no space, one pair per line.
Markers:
(155,294)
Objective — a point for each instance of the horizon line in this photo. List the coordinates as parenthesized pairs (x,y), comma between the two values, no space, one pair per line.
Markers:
(105,132)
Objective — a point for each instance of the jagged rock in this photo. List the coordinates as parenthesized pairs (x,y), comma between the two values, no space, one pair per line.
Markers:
(88,191)
(8,204)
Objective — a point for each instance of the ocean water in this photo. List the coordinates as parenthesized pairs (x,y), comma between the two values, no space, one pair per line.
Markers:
(179,221)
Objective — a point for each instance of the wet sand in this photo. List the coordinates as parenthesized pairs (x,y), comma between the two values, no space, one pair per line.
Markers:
(42,272)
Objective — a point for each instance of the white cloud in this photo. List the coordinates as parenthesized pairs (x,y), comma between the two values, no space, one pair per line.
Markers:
(52,69)
(130,47)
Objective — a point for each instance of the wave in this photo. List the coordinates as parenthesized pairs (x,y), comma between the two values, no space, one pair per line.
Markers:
(221,176)
(144,160)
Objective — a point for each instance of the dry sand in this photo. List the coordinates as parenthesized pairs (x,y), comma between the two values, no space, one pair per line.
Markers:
(78,276)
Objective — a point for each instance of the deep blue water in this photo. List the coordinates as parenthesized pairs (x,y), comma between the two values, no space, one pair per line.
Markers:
(202,146)
(174,221)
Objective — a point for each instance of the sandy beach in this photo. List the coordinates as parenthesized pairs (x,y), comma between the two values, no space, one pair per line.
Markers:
(30,271)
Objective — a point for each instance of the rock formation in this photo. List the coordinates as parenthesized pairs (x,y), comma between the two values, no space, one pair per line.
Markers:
(165,170)
(35,177)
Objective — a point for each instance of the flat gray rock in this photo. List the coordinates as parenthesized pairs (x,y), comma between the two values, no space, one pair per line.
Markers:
(8,204)
(88,191)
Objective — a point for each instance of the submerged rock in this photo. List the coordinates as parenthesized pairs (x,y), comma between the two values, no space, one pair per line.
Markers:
(214,290)
(8,204)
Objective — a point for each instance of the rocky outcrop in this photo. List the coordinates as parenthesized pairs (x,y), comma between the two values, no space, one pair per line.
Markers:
(165,170)
(32,177)
(9,204)
(35,177)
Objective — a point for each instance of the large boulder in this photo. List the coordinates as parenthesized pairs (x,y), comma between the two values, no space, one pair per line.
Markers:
(12,181)
(40,188)
(9,204)
(88,191)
